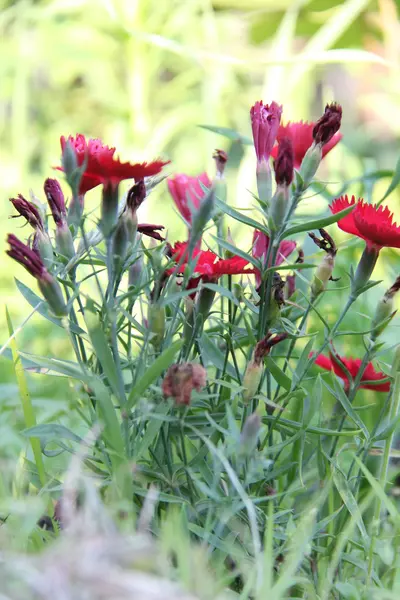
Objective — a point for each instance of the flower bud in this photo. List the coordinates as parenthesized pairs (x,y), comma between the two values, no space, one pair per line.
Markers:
(64,241)
(322,275)
(136,271)
(329,124)
(253,373)
(384,311)
(251,380)
(249,434)
(325,268)
(42,244)
(181,380)
(310,163)
(55,198)
(284,163)
(156,321)
(51,290)
(205,299)
(364,270)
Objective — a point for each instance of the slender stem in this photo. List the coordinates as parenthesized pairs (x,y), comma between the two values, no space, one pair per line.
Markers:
(393,411)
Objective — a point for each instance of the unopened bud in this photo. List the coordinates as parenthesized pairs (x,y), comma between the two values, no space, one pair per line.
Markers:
(279,207)
(251,380)
(205,299)
(136,271)
(42,244)
(364,270)
(253,373)
(64,241)
(156,320)
(310,163)
(384,311)
(284,162)
(325,268)
(51,290)
(322,275)
(249,434)
(181,380)
(329,124)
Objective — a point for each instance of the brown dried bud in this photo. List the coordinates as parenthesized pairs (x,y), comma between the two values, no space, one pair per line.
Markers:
(326,127)
(263,347)
(181,380)
(284,162)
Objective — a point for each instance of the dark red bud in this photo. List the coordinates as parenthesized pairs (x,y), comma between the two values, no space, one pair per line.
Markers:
(26,257)
(27,210)
(326,127)
(136,195)
(284,162)
(55,198)
(151,231)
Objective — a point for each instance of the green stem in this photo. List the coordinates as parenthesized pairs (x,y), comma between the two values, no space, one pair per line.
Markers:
(393,411)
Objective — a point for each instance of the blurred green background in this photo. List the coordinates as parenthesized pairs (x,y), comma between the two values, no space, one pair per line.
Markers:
(143,74)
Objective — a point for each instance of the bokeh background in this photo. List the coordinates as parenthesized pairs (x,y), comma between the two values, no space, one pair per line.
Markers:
(144,74)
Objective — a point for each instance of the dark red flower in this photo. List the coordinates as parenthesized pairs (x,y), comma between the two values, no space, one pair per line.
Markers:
(29,211)
(101,165)
(353,366)
(260,249)
(208,264)
(369,222)
(185,189)
(265,121)
(301,135)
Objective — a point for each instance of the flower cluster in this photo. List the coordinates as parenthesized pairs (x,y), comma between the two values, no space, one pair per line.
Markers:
(260,267)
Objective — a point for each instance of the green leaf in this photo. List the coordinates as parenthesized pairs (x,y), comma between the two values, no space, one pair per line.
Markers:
(236,251)
(344,401)
(343,488)
(153,427)
(160,365)
(214,356)
(238,216)
(219,289)
(51,431)
(231,134)
(277,373)
(102,349)
(317,223)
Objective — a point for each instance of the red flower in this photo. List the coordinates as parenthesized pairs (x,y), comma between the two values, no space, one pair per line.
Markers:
(353,366)
(265,121)
(102,167)
(369,222)
(260,249)
(301,135)
(185,189)
(208,264)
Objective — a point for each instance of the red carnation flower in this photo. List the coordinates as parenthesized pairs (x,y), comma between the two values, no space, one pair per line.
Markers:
(265,121)
(208,264)
(330,363)
(260,249)
(185,189)
(301,135)
(101,165)
(369,222)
